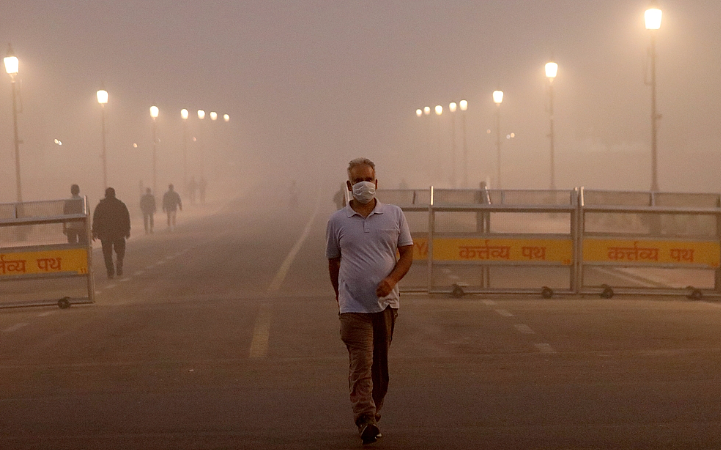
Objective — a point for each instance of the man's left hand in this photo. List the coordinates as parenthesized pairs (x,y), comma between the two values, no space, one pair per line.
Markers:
(385,287)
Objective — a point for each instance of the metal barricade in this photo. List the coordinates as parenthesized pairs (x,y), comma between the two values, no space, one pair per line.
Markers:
(39,265)
(491,241)
(414,203)
(648,243)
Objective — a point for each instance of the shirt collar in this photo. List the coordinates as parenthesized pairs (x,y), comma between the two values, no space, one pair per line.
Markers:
(378,209)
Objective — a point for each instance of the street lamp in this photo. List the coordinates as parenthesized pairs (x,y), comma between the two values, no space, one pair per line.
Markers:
(184,116)
(11,67)
(464,106)
(498,99)
(154,111)
(653,22)
(226,117)
(551,72)
(102,95)
(213,115)
(201,116)
(452,108)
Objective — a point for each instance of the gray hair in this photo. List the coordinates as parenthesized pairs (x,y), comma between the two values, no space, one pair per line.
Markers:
(361,162)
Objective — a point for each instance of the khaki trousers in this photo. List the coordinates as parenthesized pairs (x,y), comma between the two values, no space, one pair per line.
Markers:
(368,339)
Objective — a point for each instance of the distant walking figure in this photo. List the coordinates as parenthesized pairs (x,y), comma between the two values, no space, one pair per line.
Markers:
(75,231)
(111,224)
(171,203)
(147,205)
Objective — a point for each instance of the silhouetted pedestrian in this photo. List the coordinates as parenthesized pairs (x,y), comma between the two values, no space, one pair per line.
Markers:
(171,203)
(111,224)
(147,206)
(75,230)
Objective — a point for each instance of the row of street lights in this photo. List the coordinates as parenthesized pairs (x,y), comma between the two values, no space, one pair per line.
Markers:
(102,96)
(452,107)
(12,64)
(652,18)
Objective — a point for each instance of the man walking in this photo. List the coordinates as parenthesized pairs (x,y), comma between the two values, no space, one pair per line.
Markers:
(171,203)
(361,244)
(111,224)
(147,206)
(75,231)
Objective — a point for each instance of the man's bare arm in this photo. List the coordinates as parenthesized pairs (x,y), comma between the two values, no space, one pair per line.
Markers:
(402,267)
(334,270)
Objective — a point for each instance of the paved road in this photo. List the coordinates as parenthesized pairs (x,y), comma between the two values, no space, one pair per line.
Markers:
(223,334)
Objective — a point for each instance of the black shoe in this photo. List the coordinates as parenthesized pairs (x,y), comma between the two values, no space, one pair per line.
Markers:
(369,432)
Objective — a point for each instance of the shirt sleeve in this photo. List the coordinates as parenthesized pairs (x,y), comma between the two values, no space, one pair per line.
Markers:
(404,237)
(332,245)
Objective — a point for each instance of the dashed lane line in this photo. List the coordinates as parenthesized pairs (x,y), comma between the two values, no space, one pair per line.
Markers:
(489,303)
(504,312)
(545,348)
(15,327)
(46,313)
(261,332)
(523,328)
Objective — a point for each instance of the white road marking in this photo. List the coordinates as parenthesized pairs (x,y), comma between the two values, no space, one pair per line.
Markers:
(283,270)
(139,272)
(489,302)
(544,348)
(46,313)
(261,332)
(123,280)
(15,327)
(446,270)
(504,312)
(454,277)
(110,286)
(523,328)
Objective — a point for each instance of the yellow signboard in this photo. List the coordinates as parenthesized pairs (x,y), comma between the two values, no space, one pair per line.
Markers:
(532,251)
(74,260)
(643,252)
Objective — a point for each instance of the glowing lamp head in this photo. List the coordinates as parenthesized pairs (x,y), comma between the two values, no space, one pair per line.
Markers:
(452,107)
(463,104)
(154,111)
(497,97)
(102,96)
(426,110)
(184,114)
(419,112)
(11,62)
(439,110)
(653,18)
(201,114)
(226,117)
(213,115)
(551,70)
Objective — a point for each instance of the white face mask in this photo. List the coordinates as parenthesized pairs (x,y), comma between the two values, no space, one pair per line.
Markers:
(364,191)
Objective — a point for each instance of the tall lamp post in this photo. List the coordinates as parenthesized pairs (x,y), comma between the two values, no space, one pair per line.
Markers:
(439,110)
(184,116)
(551,72)
(653,22)
(201,116)
(103,100)
(154,111)
(464,106)
(452,108)
(498,99)
(11,67)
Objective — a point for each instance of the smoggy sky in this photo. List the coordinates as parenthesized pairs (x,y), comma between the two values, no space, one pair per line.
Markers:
(311,84)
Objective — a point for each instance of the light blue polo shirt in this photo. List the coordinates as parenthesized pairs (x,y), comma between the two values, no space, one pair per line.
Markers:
(367,248)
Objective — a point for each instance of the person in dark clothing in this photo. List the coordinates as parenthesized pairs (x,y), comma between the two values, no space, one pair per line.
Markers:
(75,231)
(171,203)
(111,224)
(147,205)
